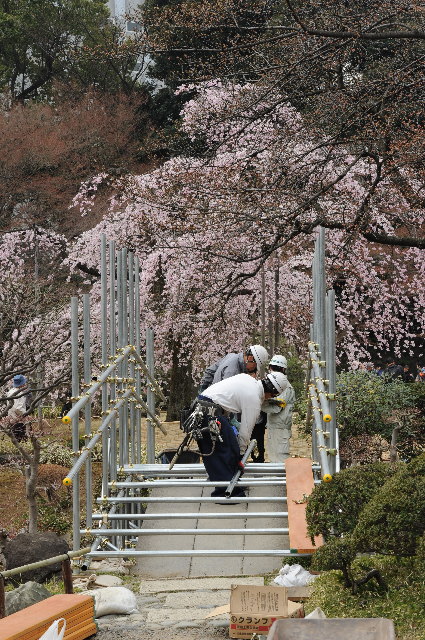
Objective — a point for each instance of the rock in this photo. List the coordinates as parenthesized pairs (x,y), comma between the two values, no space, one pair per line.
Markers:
(33,547)
(117,565)
(107,581)
(24,596)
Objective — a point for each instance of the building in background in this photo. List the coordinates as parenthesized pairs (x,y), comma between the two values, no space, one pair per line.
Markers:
(120,9)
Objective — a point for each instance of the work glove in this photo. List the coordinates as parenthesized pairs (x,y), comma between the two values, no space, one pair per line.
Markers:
(278,401)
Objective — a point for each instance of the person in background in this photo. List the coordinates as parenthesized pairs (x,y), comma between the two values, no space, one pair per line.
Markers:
(279,415)
(407,376)
(392,370)
(378,370)
(253,362)
(421,374)
(21,397)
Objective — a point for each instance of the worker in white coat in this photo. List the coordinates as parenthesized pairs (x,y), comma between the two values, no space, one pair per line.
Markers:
(279,415)
(241,394)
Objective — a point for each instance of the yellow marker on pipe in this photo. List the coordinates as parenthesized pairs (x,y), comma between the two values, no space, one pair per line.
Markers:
(327,477)
(67,482)
(327,417)
(66,419)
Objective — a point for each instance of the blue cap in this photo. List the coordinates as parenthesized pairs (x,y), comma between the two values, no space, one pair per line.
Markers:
(19,380)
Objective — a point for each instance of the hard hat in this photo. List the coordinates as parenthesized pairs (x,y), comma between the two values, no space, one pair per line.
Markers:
(19,380)
(278,380)
(260,355)
(278,361)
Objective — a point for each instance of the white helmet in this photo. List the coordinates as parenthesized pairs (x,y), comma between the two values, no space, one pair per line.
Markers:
(278,380)
(279,361)
(260,355)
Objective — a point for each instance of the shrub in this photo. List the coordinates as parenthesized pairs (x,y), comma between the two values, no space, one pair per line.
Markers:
(333,508)
(366,402)
(394,519)
(337,553)
(56,453)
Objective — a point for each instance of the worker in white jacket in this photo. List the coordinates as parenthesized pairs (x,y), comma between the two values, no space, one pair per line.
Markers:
(279,415)
(239,394)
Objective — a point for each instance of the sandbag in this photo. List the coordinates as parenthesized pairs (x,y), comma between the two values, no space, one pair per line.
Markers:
(113,600)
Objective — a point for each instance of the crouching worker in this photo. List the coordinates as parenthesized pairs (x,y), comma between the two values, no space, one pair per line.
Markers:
(240,394)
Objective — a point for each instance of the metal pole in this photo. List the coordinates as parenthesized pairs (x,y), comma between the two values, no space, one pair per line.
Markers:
(75,434)
(124,420)
(321,293)
(137,345)
(331,372)
(150,432)
(104,339)
(237,475)
(87,408)
(131,360)
(96,385)
(112,454)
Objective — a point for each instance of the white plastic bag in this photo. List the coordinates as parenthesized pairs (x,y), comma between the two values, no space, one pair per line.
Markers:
(53,633)
(113,600)
(293,575)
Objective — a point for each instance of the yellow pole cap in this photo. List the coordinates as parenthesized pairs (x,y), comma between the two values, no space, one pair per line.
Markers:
(327,477)
(67,482)
(327,417)
(66,419)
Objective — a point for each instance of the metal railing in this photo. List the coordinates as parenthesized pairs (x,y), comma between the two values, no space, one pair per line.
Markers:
(64,559)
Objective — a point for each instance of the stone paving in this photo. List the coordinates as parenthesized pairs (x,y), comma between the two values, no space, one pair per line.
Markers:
(177,606)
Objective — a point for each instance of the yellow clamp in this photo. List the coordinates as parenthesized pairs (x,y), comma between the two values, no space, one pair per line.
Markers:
(327,417)
(67,482)
(66,419)
(327,477)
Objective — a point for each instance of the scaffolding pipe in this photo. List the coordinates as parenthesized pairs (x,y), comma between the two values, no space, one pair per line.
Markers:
(198,515)
(203,532)
(319,383)
(324,462)
(96,385)
(331,372)
(87,408)
(150,431)
(75,434)
(152,416)
(92,443)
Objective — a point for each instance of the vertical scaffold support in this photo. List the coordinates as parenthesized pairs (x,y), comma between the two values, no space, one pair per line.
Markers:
(321,366)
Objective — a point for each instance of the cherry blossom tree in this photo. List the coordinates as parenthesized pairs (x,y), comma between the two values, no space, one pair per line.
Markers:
(204,227)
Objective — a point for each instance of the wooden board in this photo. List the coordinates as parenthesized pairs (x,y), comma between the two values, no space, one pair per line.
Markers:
(299,483)
(30,623)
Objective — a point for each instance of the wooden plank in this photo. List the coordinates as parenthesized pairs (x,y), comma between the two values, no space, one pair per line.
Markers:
(32,621)
(299,483)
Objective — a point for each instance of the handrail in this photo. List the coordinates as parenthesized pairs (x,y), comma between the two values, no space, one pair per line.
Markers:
(65,559)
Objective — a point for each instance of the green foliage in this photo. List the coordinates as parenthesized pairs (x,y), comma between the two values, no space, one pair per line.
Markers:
(333,508)
(337,553)
(54,516)
(56,453)
(366,402)
(393,520)
(42,41)
(403,602)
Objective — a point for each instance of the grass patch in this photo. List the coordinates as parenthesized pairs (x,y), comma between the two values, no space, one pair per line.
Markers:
(403,602)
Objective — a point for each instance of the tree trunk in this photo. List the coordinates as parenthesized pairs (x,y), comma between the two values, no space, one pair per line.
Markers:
(31,474)
(181,390)
(393,445)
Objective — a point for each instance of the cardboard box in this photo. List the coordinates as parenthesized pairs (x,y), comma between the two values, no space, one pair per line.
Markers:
(253,609)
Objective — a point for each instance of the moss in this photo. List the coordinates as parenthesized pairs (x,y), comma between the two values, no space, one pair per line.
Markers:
(403,602)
